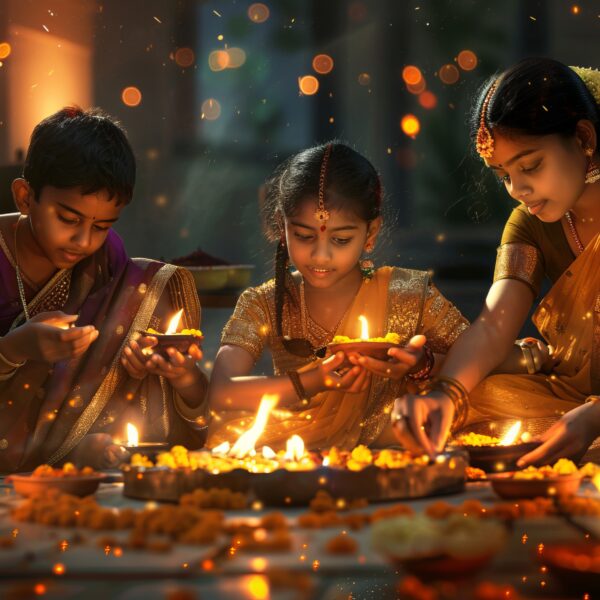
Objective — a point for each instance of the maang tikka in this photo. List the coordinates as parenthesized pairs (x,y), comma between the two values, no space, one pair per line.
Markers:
(321,214)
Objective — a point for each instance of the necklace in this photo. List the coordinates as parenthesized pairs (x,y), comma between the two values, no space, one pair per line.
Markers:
(304,316)
(19,278)
(574,234)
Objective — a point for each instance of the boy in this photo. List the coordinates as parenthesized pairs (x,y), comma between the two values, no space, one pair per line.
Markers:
(72,304)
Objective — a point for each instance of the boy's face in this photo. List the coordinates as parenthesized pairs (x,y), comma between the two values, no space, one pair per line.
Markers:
(69,226)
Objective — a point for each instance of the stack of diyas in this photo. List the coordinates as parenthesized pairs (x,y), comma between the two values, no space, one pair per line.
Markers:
(496,446)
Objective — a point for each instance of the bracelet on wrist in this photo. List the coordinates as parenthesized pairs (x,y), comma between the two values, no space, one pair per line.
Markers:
(10,363)
(424,373)
(457,393)
(298,387)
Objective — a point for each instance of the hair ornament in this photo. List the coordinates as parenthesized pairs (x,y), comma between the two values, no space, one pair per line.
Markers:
(321,214)
(591,78)
(484,143)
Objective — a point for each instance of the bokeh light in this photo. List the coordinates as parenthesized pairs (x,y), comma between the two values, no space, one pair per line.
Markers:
(258,12)
(131,96)
(449,74)
(211,109)
(5,50)
(575,9)
(185,57)
(59,569)
(39,589)
(411,75)
(467,60)
(364,79)
(428,100)
(417,88)
(308,85)
(218,60)
(322,64)
(357,11)
(237,57)
(410,125)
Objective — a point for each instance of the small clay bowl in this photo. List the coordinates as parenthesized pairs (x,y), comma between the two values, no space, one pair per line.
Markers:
(377,350)
(497,459)
(506,486)
(179,341)
(80,485)
(149,449)
(576,565)
(444,566)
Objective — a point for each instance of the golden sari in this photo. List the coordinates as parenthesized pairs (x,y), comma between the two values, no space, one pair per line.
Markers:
(395,300)
(568,318)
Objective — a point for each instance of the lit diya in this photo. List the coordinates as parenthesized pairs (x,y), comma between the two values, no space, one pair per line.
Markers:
(376,347)
(134,446)
(181,340)
(293,476)
(558,480)
(492,453)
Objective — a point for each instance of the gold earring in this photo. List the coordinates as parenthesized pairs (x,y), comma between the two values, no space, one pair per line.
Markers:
(593,171)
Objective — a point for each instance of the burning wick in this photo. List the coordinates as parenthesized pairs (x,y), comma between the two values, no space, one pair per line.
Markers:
(364,327)
(511,435)
(294,450)
(247,441)
(133,438)
(174,323)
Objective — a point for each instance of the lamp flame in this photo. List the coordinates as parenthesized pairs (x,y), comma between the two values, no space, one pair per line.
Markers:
(511,435)
(221,448)
(133,438)
(174,323)
(247,441)
(364,327)
(268,453)
(294,449)
(596,481)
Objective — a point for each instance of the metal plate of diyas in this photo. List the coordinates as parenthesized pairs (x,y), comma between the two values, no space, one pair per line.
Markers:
(283,487)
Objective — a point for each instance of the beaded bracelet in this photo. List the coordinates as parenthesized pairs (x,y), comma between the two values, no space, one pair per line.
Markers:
(425,372)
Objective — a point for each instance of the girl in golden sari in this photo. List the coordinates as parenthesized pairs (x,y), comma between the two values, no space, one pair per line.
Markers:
(72,304)
(537,126)
(323,208)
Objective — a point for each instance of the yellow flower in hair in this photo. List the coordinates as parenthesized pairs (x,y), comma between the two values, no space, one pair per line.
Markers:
(591,78)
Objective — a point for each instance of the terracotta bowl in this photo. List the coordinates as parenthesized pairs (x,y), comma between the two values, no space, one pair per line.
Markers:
(575,565)
(506,486)
(83,485)
(444,566)
(178,341)
(376,350)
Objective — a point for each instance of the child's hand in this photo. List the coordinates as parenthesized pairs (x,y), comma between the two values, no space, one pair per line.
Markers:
(327,376)
(402,360)
(180,369)
(136,355)
(48,337)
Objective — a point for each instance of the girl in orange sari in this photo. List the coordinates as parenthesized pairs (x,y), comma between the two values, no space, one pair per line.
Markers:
(324,210)
(537,126)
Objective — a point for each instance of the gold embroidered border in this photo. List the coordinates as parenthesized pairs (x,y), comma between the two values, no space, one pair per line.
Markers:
(116,372)
(595,366)
(517,260)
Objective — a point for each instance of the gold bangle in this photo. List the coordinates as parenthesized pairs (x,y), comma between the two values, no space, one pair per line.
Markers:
(459,396)
(10,363)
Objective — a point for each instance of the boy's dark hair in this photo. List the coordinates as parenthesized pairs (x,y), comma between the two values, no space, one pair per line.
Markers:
(536,96)
(351,183)
(82,149)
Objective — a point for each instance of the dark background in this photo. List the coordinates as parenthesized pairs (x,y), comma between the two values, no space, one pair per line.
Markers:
(199,178)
